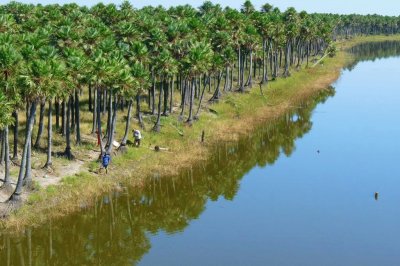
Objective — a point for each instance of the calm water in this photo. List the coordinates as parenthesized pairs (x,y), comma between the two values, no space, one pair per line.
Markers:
(298,192)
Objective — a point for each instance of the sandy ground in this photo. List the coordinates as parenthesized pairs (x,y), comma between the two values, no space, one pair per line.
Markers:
(46,177)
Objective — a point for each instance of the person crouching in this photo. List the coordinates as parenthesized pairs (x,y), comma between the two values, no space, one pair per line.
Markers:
(137,136)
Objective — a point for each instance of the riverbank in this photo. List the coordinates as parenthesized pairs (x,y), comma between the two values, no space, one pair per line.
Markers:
(234,115)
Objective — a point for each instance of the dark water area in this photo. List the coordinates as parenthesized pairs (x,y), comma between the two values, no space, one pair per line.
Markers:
(299,191)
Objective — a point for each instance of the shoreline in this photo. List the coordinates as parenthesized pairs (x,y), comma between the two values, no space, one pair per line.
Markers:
(235,115)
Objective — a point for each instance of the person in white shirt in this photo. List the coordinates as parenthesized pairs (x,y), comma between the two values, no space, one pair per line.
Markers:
(138,136)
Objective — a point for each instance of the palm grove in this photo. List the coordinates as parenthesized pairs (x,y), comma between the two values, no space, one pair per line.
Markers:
(168,60)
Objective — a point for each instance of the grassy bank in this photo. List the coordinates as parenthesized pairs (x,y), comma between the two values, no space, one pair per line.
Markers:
(234,115)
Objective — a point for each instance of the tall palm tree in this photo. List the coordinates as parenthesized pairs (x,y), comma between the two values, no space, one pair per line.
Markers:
(9,60)
(5,121)
(197,62)
(291,30)
(34,80)
(165,68)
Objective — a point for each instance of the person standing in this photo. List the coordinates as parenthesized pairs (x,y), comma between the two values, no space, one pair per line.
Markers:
(106,161)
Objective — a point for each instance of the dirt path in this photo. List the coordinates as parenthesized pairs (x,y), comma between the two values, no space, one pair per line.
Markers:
(45,177)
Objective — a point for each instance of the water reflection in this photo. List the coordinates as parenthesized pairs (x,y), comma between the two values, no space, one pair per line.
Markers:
(115,231)
(372,51)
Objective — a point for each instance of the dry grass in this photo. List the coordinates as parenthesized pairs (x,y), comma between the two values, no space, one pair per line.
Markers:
(236,114)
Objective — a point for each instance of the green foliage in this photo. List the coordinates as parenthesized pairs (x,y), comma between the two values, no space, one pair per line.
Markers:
(5,111)
(332,50)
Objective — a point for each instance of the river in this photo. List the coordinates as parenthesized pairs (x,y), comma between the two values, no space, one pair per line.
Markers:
(299,191)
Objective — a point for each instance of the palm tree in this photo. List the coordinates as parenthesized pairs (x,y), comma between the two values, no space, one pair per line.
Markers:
(196,63)
(165,68)
(34,80)
(141,75)
(136,53)
(236,21)
(123,85)
(103,72)
(5,121)
(247,8)
(76,62)
(55,86)
(291,31)
(250,43)
(9,59)
(264,25)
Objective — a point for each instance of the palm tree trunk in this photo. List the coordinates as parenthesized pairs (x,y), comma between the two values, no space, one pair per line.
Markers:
(272,64)
(57,105)
(77,119)
(287,60)
(249,82)
(299,54)
(128,123)
(291,53)
(109,119)
(149,97)
(256,66)
(2,151)
(90,98)
(153,95)
(192,87)
(157,126)
(104,101)
(49,135)
(139,111)
(16,196)
(276,64)
(28,171)
(241,77)
(64,118)
(94,117)
(67,152)
(183,103)
(166,97)
(197,116)
(264,63)
(15,129)
(226,84)
(198,86)
(217,93)
(122,104)
(113,124)
(171,96)
(72,110)
(41,125)
(231,78)
(239,66)
(195,91)
(99,121)
(7,181)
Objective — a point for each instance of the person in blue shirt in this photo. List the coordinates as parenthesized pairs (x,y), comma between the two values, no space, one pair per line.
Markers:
(106,161)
